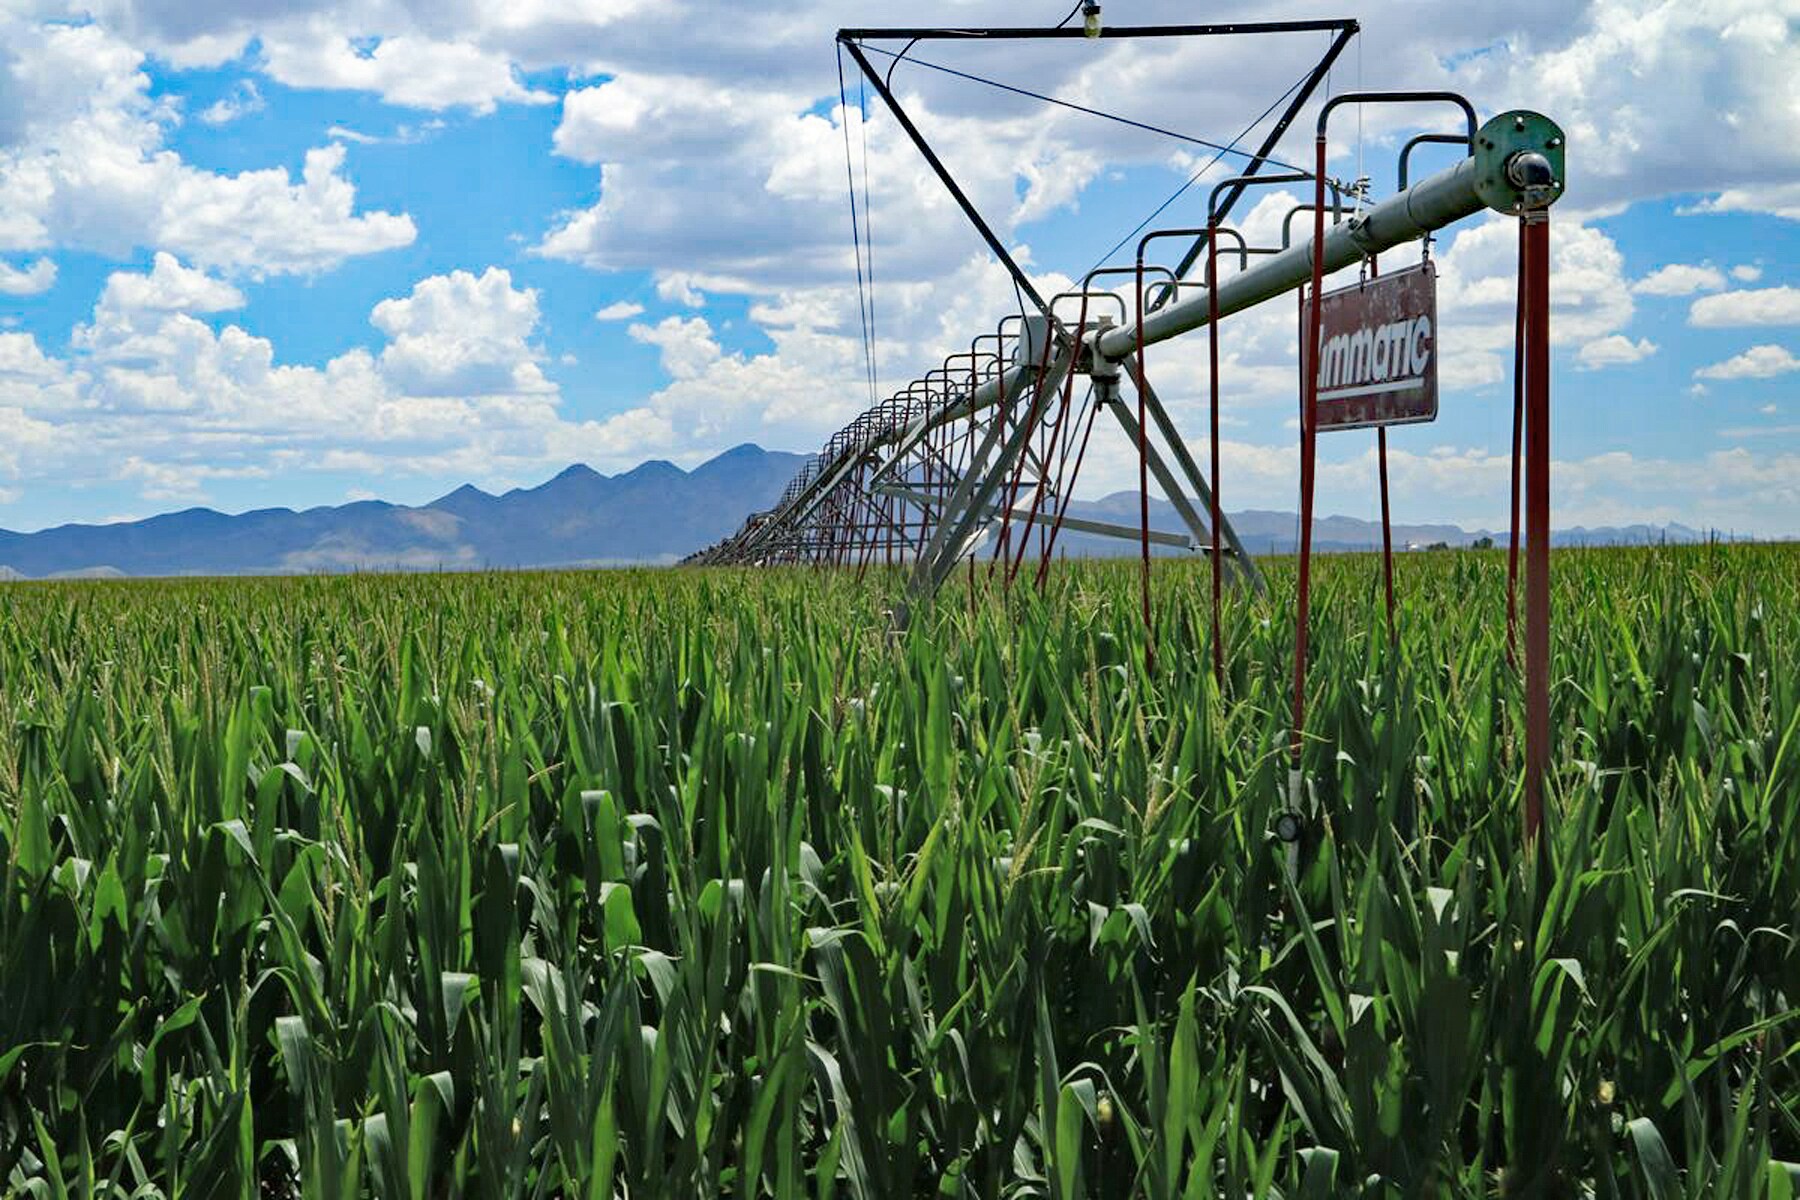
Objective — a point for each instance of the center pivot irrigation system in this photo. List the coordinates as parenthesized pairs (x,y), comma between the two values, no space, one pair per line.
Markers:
(976,460)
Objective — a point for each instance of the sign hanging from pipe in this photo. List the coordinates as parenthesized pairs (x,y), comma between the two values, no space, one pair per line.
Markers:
(1378,354)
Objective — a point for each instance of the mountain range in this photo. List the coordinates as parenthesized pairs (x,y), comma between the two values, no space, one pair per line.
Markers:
(653,513)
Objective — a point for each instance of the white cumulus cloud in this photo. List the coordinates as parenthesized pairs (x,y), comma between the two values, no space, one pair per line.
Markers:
(1761,306)
(687,344)
(405,69)
(462,335)
(169,287)
(150,384)
(1680,279)
(243,99)
(40,276)
(1614,350)
(1758,362)
(84,165)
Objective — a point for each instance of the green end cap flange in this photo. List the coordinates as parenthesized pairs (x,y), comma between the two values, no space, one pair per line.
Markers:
(1510,134)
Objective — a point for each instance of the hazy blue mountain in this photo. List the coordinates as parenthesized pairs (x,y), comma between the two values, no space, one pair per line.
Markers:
(653,513)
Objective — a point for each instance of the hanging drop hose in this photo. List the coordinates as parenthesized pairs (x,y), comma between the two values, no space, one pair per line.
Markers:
(1065,481)
(1535,267)
(1093,412)
(867,530)
(1387,531)
(929,472)
(888,523)
(1082,419)
(1003,546)
(1066,484)
(969,465)
(1387,524)
(1056,435)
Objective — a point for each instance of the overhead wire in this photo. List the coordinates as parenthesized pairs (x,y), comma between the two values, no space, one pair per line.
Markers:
(862,295)
(1197,175)
(1059,102)
(1220,150)
(862,103)
(866,299)
(1361,192)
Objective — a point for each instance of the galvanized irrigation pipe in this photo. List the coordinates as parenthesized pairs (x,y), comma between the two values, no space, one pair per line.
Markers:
(1484,180)
(1476,183)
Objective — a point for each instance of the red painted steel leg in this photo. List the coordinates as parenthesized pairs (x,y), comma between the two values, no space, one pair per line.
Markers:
(1387,529)
(1518,429)
(1536,266)
(1212,329)
(1309,399)
(1143,449)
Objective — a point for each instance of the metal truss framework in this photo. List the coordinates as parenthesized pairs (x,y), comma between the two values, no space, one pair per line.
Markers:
(980,455)
(983,451)
(977,458)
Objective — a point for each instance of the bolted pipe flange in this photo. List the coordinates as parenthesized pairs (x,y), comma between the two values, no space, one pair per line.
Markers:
(1519,162)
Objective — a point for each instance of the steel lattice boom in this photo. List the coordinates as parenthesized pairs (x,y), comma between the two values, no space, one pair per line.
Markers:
(981,452)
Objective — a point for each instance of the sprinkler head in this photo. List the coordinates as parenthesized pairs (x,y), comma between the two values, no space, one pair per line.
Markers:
(1534,176)
(1288,827)
(1528,169)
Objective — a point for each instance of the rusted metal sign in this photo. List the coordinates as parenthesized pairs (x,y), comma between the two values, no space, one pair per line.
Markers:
(1378,351)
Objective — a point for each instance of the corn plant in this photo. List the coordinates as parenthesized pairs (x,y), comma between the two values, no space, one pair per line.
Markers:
(715,883)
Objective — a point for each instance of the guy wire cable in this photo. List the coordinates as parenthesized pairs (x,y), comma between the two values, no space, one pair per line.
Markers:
(862,101)
(862,302)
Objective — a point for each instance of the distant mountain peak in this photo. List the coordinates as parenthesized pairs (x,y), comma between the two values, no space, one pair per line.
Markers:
(656,512)
(742,450)
(468,493)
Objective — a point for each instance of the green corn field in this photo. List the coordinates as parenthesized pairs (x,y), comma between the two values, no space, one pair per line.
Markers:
(703,883)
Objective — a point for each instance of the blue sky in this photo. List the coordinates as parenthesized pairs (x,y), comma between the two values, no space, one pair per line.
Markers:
(253,259)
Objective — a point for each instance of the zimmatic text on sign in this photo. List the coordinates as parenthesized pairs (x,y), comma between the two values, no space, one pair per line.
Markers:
(1388,358)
